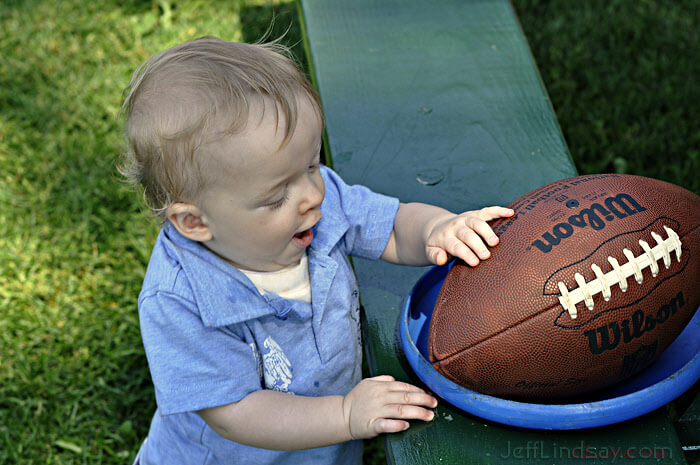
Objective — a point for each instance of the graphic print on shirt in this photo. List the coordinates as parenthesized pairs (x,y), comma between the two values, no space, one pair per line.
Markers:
(276,366)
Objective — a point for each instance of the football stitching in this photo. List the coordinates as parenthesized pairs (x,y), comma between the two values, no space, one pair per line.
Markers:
(630,304)
(674,224)
(619,274)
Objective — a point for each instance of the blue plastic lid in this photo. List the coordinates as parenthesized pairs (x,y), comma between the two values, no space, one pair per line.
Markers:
(674,372)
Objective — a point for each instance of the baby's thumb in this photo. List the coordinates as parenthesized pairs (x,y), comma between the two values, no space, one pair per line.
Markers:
(437,255)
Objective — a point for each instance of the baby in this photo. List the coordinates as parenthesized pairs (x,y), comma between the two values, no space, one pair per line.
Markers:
(249,309)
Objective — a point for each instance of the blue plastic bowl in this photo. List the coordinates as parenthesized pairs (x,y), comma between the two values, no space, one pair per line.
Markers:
(676,370)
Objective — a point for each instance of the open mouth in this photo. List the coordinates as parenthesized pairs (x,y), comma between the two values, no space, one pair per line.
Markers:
(304,238)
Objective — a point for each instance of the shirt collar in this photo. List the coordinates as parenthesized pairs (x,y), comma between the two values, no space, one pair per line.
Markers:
(223,294)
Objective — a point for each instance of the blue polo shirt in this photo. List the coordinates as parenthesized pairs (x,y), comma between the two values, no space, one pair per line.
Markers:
(211,338)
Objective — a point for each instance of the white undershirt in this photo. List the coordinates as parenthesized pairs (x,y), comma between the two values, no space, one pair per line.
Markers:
(292,282)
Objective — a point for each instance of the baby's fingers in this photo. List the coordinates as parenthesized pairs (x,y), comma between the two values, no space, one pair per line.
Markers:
(483,230)
(492,213)
(388,425)
(392,417)
(415,398)
(408,404)
(408,412)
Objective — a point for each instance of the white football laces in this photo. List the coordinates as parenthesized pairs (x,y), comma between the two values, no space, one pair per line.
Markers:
(603,282)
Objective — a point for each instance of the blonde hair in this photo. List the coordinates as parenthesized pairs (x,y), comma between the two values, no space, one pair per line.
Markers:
(179,97)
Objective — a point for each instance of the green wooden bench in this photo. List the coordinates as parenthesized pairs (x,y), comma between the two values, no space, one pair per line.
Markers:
(441,102)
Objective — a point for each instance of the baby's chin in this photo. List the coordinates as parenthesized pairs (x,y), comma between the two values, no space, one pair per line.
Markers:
(289,261)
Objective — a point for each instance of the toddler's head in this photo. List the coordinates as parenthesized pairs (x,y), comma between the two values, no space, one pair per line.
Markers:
(195,93)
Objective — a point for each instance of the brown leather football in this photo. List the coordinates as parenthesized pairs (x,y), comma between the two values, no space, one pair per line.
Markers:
(592,279)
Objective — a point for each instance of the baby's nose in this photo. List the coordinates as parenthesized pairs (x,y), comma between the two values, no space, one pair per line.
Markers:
(313,196)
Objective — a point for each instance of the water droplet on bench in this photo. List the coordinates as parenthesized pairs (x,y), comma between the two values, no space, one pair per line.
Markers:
(430,177)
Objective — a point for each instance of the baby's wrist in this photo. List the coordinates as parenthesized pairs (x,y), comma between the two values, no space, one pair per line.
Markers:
(346,416)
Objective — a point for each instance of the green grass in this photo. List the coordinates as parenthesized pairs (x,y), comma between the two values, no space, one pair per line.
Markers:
(74,242)
(622,79)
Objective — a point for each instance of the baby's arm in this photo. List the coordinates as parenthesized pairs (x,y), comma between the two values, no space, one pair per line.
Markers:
(424,234)
(274,420)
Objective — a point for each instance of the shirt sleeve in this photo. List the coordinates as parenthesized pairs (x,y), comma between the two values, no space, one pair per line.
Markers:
(186,358)
(370,215)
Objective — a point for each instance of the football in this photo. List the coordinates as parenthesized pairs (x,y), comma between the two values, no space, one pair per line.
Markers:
(591,280)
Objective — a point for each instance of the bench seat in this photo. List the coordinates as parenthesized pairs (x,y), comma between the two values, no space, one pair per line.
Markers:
(441,102)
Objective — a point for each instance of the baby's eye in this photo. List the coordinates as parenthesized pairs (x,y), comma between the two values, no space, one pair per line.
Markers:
(278,203)
(316,162)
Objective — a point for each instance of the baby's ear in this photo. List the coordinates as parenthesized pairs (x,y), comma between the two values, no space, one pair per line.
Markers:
(189,221)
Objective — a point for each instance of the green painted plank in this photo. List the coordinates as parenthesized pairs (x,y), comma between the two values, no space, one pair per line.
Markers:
(444,88)
(688,425)
(441,102)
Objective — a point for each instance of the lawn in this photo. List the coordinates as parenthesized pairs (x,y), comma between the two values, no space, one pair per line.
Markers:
(74,241)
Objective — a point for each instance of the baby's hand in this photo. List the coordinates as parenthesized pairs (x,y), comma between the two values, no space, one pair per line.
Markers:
(463,236)
(382,404)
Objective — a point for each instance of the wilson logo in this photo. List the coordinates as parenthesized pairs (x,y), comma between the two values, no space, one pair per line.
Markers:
(609,336)
(639,359)
(596,216)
